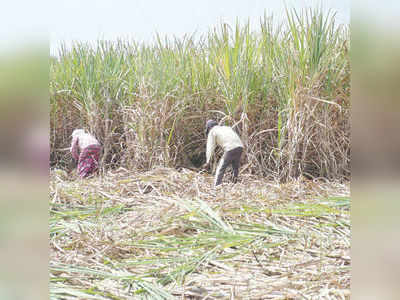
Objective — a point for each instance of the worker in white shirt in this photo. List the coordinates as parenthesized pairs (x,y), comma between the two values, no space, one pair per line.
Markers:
(86,150)
(230,142)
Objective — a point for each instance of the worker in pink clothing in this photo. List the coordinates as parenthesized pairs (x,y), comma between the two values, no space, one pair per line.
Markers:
(86,150)
(230,142)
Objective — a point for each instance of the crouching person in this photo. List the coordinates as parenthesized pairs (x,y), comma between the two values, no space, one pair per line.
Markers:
(230,142)
(86,150)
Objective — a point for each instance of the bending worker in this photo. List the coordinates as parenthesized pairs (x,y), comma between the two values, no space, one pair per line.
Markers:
(228,139)
(86,150)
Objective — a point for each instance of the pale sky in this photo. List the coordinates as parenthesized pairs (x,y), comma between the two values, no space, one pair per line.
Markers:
(89,20)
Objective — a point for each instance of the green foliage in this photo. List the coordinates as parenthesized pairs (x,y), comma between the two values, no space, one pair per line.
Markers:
(147,103)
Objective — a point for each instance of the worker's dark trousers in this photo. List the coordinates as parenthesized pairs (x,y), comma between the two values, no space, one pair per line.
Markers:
(229,157)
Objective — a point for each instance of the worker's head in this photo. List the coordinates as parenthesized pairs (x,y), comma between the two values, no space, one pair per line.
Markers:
(77,132)
(210,124)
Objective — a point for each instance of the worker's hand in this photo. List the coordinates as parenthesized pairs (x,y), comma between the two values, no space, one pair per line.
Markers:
(205,166)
